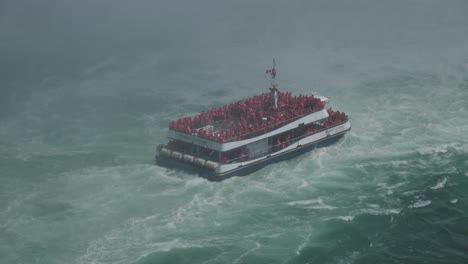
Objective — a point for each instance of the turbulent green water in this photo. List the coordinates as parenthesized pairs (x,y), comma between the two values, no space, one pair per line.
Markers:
(78,184)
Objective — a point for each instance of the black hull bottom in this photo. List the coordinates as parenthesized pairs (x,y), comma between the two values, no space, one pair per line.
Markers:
(248,169)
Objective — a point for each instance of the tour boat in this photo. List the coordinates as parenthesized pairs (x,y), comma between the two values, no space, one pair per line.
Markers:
(245,136)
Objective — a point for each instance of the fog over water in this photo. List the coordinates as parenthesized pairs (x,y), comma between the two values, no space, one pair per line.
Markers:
(87,89)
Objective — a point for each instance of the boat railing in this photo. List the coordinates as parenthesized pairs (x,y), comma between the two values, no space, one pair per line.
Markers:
(260,130)
(269,128)
(274,148)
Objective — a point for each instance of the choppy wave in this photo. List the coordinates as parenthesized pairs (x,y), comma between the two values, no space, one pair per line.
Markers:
(344,218)
(312,204)
(440,184)
(419,204)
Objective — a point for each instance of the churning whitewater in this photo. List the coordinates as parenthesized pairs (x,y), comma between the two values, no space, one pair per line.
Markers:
(78,182)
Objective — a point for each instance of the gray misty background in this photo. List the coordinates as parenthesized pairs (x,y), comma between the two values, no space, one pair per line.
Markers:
(58,40)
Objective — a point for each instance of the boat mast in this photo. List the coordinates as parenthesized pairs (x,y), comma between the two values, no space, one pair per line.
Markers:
(274,85)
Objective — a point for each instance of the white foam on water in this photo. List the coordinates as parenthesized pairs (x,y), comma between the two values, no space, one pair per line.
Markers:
(412,192)
(140,233)
(312,204)
(196,208)
(420,204)
(102,250)
(392,163)
(379,212)
(306,202)
(196,181)
(389,189)
(346,218)
(440,184)
(327,207)
(350,257)
(434,150)
(304,184)
(399,163)
(454,201)
(248,252)
(170,245)
(373,205)
(303,244)
(146,219)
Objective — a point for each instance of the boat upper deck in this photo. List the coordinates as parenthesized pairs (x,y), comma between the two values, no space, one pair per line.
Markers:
(249,118)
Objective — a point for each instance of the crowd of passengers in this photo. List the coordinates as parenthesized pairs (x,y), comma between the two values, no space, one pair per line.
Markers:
(335,118)
(249,118)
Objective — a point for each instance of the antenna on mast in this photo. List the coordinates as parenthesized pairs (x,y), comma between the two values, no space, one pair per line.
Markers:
(273,88)
(272,73)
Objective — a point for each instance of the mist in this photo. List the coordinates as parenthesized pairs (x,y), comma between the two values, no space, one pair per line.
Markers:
(52,43)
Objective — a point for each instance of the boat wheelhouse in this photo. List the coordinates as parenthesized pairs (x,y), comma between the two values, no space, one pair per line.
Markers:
(243,137)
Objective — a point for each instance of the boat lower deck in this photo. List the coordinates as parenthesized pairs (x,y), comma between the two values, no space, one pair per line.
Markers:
(243,170)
